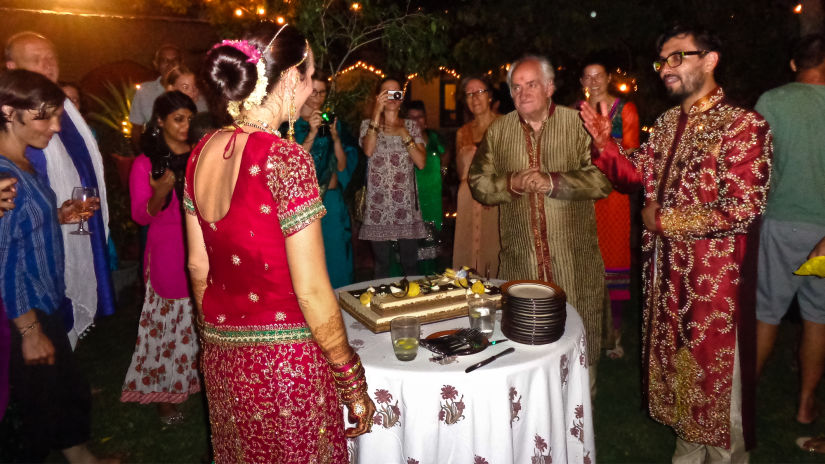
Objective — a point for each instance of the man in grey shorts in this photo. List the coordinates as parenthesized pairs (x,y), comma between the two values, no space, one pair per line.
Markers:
(795,217)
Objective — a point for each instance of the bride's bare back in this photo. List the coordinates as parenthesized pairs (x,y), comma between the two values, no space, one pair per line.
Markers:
(216,173)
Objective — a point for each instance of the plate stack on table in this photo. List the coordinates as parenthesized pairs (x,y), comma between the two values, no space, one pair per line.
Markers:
(534,312)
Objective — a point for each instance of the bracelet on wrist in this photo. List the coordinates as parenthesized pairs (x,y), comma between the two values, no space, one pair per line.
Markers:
(28,328)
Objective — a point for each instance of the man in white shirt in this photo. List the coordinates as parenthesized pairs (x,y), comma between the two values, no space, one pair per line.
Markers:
(71,159)
(166,57)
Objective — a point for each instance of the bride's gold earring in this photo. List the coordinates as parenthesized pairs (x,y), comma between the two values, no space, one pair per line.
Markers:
(290,135)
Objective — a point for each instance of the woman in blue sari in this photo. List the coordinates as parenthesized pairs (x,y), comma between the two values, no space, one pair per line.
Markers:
(335,162)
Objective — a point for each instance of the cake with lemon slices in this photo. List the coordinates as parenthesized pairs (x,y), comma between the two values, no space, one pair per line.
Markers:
(429,299)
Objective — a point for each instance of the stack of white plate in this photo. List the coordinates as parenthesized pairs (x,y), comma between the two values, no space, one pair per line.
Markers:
(534,312)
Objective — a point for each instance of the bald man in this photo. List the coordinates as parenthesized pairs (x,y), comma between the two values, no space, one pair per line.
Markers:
(71,159)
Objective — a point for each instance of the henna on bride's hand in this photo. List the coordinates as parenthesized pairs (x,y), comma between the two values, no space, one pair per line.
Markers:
(330,335)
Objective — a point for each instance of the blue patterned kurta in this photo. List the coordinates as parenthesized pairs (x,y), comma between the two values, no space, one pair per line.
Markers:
(31,247)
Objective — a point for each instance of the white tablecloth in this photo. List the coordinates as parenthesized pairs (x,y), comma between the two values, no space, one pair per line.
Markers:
(531,406)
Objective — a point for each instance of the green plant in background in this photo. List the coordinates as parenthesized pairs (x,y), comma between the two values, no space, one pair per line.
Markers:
(114,130)
(113,113)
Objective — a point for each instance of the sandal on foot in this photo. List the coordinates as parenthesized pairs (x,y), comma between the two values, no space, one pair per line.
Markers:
(817,447)
(173,419)
(616,353)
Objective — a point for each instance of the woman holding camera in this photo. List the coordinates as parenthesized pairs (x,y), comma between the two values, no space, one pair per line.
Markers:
(394,147)
(164,364)
(334,163)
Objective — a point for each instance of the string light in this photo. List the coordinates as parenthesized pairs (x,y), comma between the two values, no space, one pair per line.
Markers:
(280,20)
(261,11)
(363,66)
(623,87)
(137,86)
(238,12)
(355,6)
(449,71)
(798,8)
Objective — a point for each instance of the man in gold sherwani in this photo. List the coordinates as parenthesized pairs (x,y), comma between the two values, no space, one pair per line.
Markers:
(535,164)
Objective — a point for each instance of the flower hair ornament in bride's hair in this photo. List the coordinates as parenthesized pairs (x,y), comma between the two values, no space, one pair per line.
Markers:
(253,55)
(256,56)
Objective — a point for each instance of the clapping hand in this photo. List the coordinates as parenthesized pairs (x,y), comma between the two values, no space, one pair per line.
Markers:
(598,124)
(531,180)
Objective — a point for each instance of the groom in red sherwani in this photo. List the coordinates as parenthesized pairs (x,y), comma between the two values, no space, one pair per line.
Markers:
(705,173)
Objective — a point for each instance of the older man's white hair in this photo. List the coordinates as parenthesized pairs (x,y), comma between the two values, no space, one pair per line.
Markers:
(544,65)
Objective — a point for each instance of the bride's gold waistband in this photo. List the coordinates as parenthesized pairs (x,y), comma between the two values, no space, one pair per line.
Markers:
(278,334)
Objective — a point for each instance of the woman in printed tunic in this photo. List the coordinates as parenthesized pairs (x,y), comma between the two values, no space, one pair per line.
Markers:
(394,147)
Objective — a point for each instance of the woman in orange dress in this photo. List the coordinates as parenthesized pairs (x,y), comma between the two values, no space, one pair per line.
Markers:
(476,243)
(613,212)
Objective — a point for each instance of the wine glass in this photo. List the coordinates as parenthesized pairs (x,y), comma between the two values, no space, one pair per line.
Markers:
(83,195)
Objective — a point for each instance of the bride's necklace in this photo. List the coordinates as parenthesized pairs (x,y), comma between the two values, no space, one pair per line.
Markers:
(258,124)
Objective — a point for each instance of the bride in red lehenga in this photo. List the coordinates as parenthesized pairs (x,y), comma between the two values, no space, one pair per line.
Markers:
(276,361)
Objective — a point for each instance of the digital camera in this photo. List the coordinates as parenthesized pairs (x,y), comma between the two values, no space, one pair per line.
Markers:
(159,165)
(329,118)
(395,95)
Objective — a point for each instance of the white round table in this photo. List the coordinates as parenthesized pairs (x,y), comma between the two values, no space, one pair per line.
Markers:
(526,407)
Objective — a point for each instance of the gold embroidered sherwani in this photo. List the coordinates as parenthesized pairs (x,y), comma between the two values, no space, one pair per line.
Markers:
(710,170)
(547,237)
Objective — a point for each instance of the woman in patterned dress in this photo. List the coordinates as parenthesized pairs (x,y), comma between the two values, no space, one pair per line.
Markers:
(476,241)
(394,147)
(275,357)
(164,364)
(613,212)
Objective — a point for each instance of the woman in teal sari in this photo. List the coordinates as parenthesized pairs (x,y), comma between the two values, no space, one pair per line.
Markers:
(335,162)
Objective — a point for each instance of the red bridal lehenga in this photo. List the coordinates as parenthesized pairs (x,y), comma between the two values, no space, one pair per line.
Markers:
(270,390)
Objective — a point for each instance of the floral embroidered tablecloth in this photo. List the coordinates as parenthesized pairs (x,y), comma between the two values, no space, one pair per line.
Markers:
(531,406)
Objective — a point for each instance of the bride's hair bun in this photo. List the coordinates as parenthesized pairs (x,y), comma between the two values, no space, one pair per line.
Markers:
(228,74)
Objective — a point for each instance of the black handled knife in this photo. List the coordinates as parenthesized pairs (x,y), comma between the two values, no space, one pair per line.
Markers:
(489,360)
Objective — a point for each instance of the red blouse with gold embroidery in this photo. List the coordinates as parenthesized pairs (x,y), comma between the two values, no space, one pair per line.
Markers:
(276,195)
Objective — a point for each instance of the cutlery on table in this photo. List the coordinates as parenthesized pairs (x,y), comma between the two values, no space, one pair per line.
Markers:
(489,360)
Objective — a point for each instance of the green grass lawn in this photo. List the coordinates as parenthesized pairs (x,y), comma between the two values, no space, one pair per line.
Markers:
(624,432)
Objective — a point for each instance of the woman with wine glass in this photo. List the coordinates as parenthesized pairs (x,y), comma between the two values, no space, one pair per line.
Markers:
(164,364)
(394,148)
(276,362)
(53,394)
(476,241)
